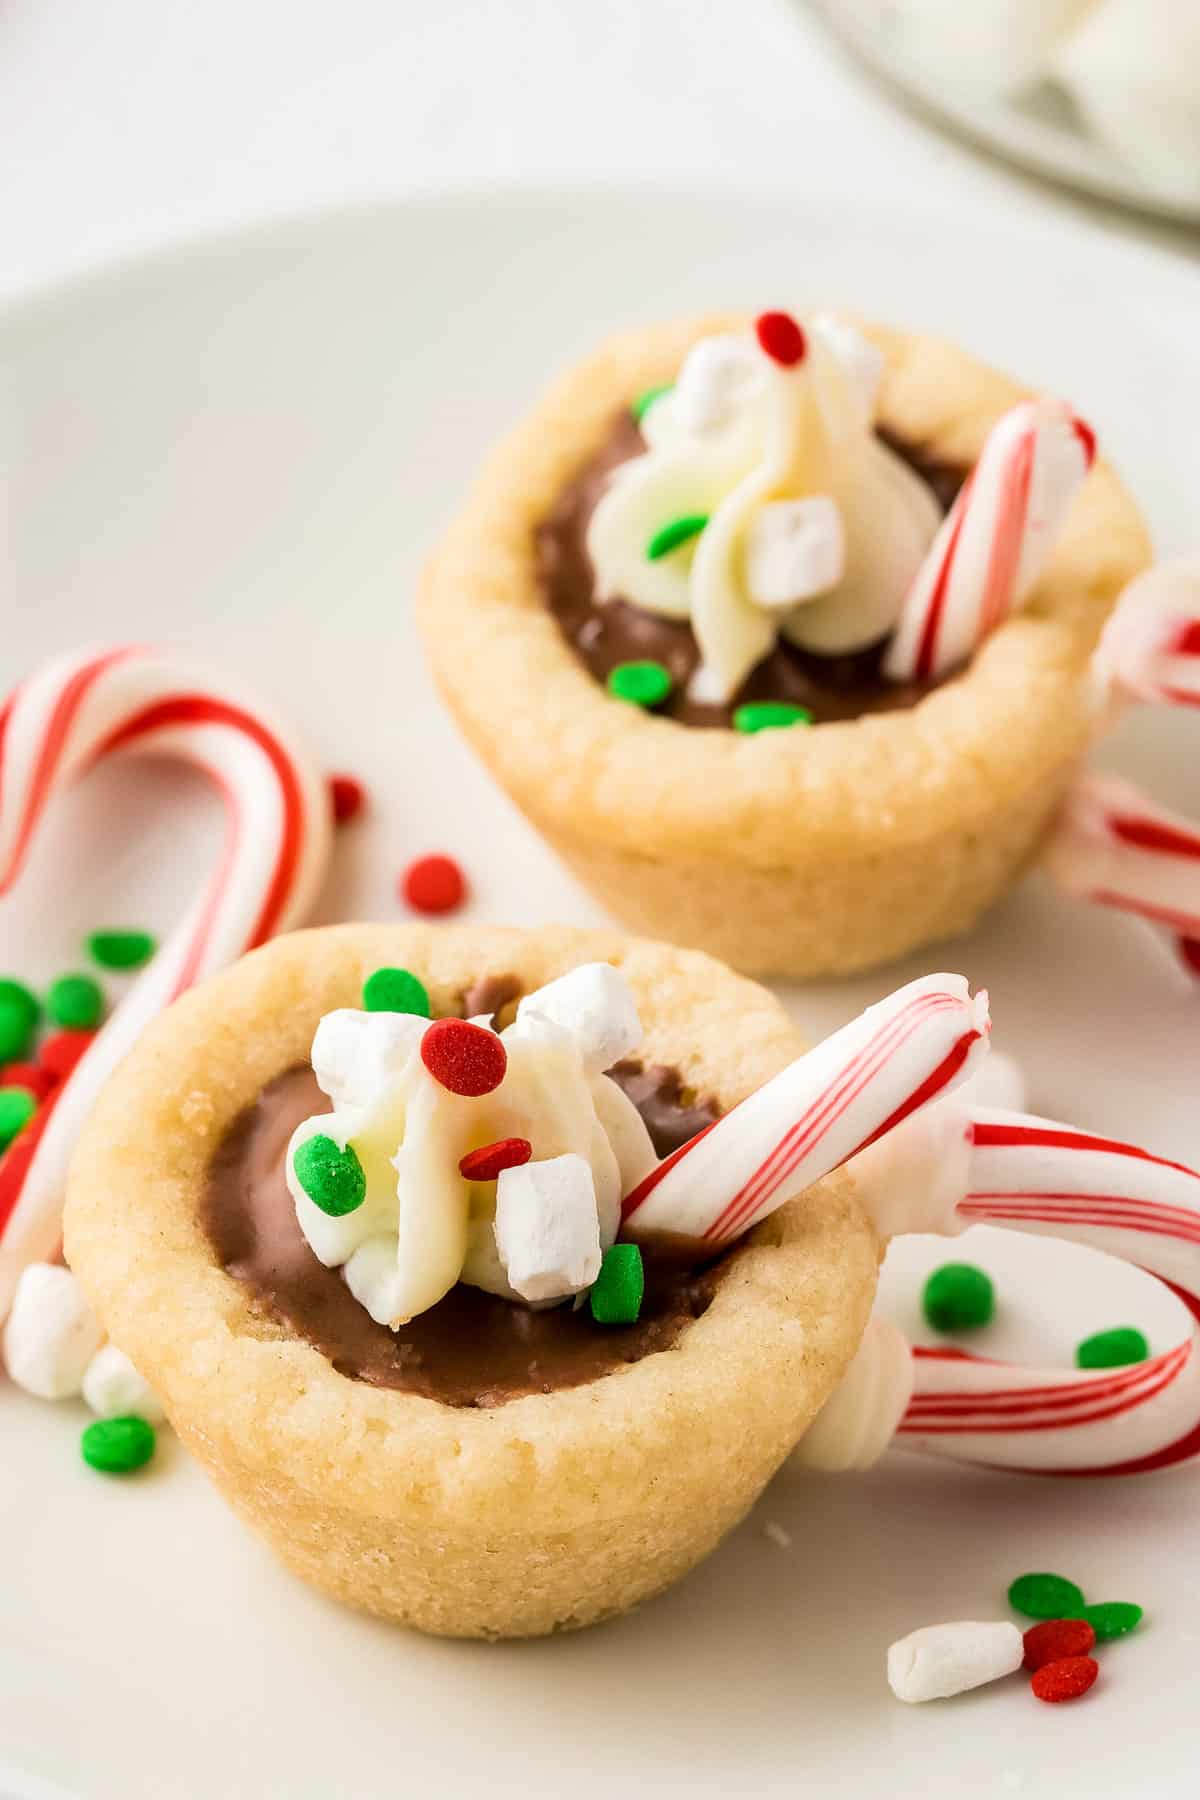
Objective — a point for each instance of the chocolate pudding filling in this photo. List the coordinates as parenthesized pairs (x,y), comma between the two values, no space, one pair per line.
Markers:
(605,634)
(472,1348)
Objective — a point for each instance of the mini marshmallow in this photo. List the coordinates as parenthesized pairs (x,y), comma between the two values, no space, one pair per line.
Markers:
(547,1230)
(940,1660)
(594,1006)
(997,1083)
(113,1388)
(51,1335)
(860,362)
(356,1054)
(795,550)
(718,376)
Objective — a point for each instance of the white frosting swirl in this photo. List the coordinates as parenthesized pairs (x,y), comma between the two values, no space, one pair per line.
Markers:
(737,442)
(422,1225)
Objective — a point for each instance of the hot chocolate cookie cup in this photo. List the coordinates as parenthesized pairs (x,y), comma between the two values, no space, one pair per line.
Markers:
(803,852)
(552,1510)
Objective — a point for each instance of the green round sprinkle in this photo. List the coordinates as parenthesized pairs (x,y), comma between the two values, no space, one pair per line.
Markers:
(395,990)
(1111,1349)
(769,715)
(1046,1597)
(75,1002)
(675,532)
(959,1297)
(333,1179)
(642,683)
(619,1287)
(647,397)
(118,1446)
(1111,1618)
(121,949)
(17,1107)
(19,1013)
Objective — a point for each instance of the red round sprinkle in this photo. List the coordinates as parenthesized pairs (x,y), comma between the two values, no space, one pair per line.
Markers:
(464,1057)
(781,338)
(1055,1638)
(491,1160)
(347,796)
(1065,1679)
(60,1052)
(27,1075)
(434,884)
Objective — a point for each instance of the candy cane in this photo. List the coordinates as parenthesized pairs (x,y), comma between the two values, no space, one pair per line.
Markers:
(1035,1175)
(995,540)
(1150,648)
(1113,846)
(821,1110)
(56,726)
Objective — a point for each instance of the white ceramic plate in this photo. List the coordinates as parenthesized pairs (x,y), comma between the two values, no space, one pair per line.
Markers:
(245,446)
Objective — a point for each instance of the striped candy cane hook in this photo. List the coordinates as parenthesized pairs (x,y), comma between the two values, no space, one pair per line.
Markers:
(1035,1175)
(56,726)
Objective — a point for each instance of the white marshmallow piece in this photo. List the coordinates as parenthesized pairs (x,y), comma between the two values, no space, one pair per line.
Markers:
(940,1660)
(795,550)
(594,1006)
(357,1054)
(51,1335)
(113,1388)
(718,377)
(547,1229)
(857,357)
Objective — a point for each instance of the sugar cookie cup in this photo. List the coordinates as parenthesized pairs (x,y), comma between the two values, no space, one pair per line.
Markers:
(797,853)
(548,1512)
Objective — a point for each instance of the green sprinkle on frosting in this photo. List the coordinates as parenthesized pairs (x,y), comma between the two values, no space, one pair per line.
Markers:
(1111,1618)
(121,949)
(19,1014)
(1112,1349)
(641,683)
(332,1178)
(769,715)
(75,1002)
(647,397)
(675,532)
(958,1297)
(118,1446)
(396,990)
(1046,1597)
(17,1107)
(618,1290)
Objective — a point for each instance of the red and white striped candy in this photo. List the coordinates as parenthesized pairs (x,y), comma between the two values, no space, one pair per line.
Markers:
(1111,845)
(55,727)
(816,1114)
(995,540)
(1150,648)
(1034,1175)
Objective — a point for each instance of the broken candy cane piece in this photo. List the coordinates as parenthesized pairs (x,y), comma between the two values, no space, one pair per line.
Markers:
(1150,648)
(995,541)
(547,1229)
(594,1006)
(795,550)
(940,1660)
(113,1388)
(1113,846)
(51,1335)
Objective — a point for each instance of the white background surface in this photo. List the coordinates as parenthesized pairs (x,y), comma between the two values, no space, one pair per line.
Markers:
(148,1647)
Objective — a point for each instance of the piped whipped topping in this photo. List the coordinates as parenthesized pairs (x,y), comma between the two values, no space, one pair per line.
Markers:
(415,1224)
(765,503)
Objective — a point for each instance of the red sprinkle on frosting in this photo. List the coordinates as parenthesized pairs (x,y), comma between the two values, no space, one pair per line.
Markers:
(489,1162)
(1054,1639)
(27,1075)
(60,1052)
(347,796)
(434,884)
(464,1058)
(781,338)
(1065,1679)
